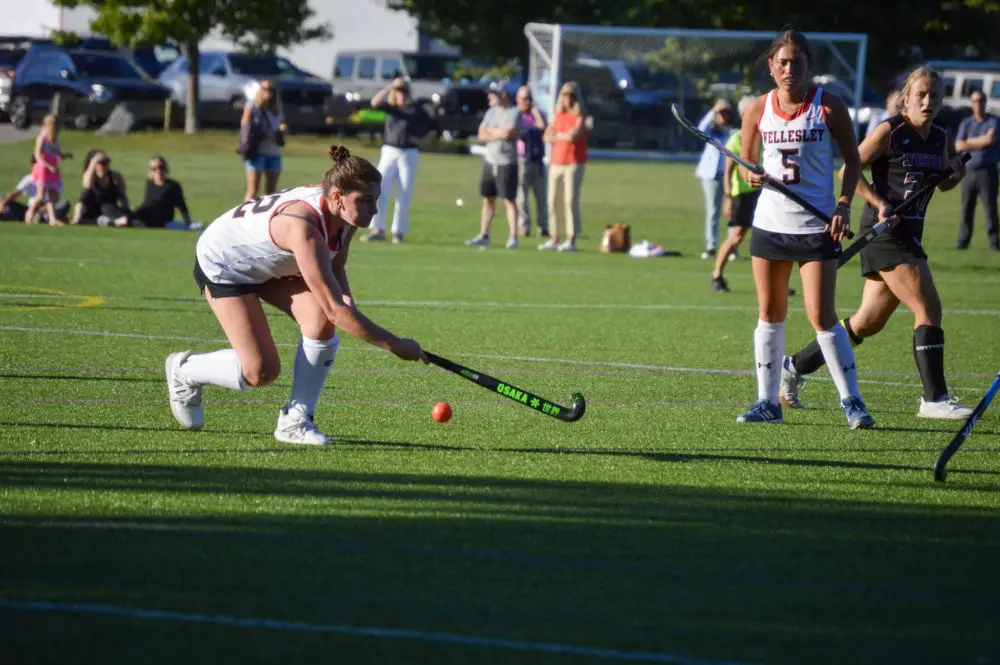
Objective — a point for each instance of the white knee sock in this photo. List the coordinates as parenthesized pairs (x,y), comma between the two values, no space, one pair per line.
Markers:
(839,355)
(313,361)
(769,347)
(219,368)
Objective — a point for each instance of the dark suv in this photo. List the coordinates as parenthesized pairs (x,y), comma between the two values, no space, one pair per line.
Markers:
(90,83)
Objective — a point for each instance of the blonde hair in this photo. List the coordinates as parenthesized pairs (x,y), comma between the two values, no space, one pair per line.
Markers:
(274,105)
(565,106)
(50,125)
(937,84)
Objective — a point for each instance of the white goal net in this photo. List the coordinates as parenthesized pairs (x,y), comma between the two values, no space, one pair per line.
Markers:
(629,77)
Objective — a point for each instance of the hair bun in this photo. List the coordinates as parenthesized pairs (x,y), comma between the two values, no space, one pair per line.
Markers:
(339,153)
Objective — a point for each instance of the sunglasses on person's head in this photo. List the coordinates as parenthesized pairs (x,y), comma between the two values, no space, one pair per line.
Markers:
(156,167)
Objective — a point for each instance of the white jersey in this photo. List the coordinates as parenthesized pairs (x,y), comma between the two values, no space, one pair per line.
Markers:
(237,247)
(797,151)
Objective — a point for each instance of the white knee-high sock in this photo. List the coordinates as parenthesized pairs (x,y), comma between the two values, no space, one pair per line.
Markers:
(769,347)
(218,368)
(839,356)
(313,361)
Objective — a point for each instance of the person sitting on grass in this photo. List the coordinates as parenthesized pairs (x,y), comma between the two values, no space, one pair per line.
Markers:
(103,200)
(12,210)
(164,196)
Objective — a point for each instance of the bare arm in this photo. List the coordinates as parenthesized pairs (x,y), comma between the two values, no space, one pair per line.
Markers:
(309,247)
(574,132)
(339,267)
(9,198)
(750,149)
(727,179)
(88,175)
(247,114)
(873,147)
(539,118)
(842,132)
(380,98)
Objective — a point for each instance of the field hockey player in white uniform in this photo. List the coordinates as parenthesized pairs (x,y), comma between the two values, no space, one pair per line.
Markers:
(796,126)
(288,249)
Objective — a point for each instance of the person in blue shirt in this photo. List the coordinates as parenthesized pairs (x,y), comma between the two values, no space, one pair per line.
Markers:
(977,135)
(717,123)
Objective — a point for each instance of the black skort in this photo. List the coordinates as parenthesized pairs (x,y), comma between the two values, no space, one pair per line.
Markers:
(885,253)
(793,246)
(744,206)
(498,181)
(221,290)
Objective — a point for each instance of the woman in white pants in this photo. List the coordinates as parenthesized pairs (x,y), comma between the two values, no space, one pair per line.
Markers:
(717,123)
(406,127)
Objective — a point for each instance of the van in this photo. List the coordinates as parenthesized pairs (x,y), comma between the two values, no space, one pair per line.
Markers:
(359,75)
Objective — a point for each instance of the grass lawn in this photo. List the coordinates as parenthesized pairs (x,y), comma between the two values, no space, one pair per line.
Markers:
(655,529)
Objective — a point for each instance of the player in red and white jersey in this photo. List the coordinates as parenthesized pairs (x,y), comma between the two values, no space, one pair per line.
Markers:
(288,249)
(795,127)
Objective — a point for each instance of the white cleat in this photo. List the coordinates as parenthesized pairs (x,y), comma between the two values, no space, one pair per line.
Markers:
(946,408)
(185,398)
(512,243)
(791,384)
(295,426)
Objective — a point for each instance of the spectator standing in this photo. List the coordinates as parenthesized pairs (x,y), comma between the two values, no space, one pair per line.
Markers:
(568,136)
(977,135)
(407,125)
(530,164)
(265,121)
(498,178)
(717,123)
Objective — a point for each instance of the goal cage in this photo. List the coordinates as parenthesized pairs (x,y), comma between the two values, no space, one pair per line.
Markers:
(628,78)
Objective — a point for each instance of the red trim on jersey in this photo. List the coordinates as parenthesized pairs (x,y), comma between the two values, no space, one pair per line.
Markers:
(776,107)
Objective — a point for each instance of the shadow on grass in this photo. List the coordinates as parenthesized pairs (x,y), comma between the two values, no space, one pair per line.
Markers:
(712,573)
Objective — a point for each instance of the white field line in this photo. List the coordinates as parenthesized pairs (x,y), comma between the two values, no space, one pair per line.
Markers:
(376,632)
(485,304)
(482,356)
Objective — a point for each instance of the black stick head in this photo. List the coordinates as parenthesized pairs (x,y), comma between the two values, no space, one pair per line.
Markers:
(939,471)
(575,412)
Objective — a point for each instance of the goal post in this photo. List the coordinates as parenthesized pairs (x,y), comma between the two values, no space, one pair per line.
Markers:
(629,77)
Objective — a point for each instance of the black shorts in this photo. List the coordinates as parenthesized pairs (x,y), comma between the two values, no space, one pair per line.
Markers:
(743,209)
(498,181)
(793,246)
(221,290)
(884,253)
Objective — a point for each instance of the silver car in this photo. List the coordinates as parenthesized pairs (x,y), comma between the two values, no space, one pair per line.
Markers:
(228,80)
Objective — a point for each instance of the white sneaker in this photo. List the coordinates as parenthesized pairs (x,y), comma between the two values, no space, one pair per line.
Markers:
(568,246)
(295,426)
(947,408)
(478,241)
(548,246)
(791,384)
(185,398)
(512,243)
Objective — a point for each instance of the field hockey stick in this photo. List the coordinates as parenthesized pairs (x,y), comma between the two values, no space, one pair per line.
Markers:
(908,203)
(519,395)
(777,185)
(956,443)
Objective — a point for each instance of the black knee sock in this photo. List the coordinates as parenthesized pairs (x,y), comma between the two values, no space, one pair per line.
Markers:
(810,359)
(928,351)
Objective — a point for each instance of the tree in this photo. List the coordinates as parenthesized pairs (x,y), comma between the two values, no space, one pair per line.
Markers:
(257,25)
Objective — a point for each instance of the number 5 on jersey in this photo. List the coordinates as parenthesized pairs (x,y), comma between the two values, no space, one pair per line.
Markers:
(791,175)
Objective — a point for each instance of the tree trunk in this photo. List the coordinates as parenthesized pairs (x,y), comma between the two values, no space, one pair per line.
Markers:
(191,101)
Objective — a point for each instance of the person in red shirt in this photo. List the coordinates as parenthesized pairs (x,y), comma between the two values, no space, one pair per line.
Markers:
(568,136)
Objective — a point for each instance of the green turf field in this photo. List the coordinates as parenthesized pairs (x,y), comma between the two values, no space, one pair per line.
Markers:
(654,530)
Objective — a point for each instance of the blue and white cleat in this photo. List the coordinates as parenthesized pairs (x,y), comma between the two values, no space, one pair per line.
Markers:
(857,414)
(762,412)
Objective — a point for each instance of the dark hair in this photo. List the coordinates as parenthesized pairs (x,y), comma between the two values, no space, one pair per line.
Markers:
(349,173)
(788,36)
(90,155)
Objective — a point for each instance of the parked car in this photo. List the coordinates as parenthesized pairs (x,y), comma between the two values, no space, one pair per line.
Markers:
(12,51)
(459,110)
(358,75)
(228,80)
(90,84)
